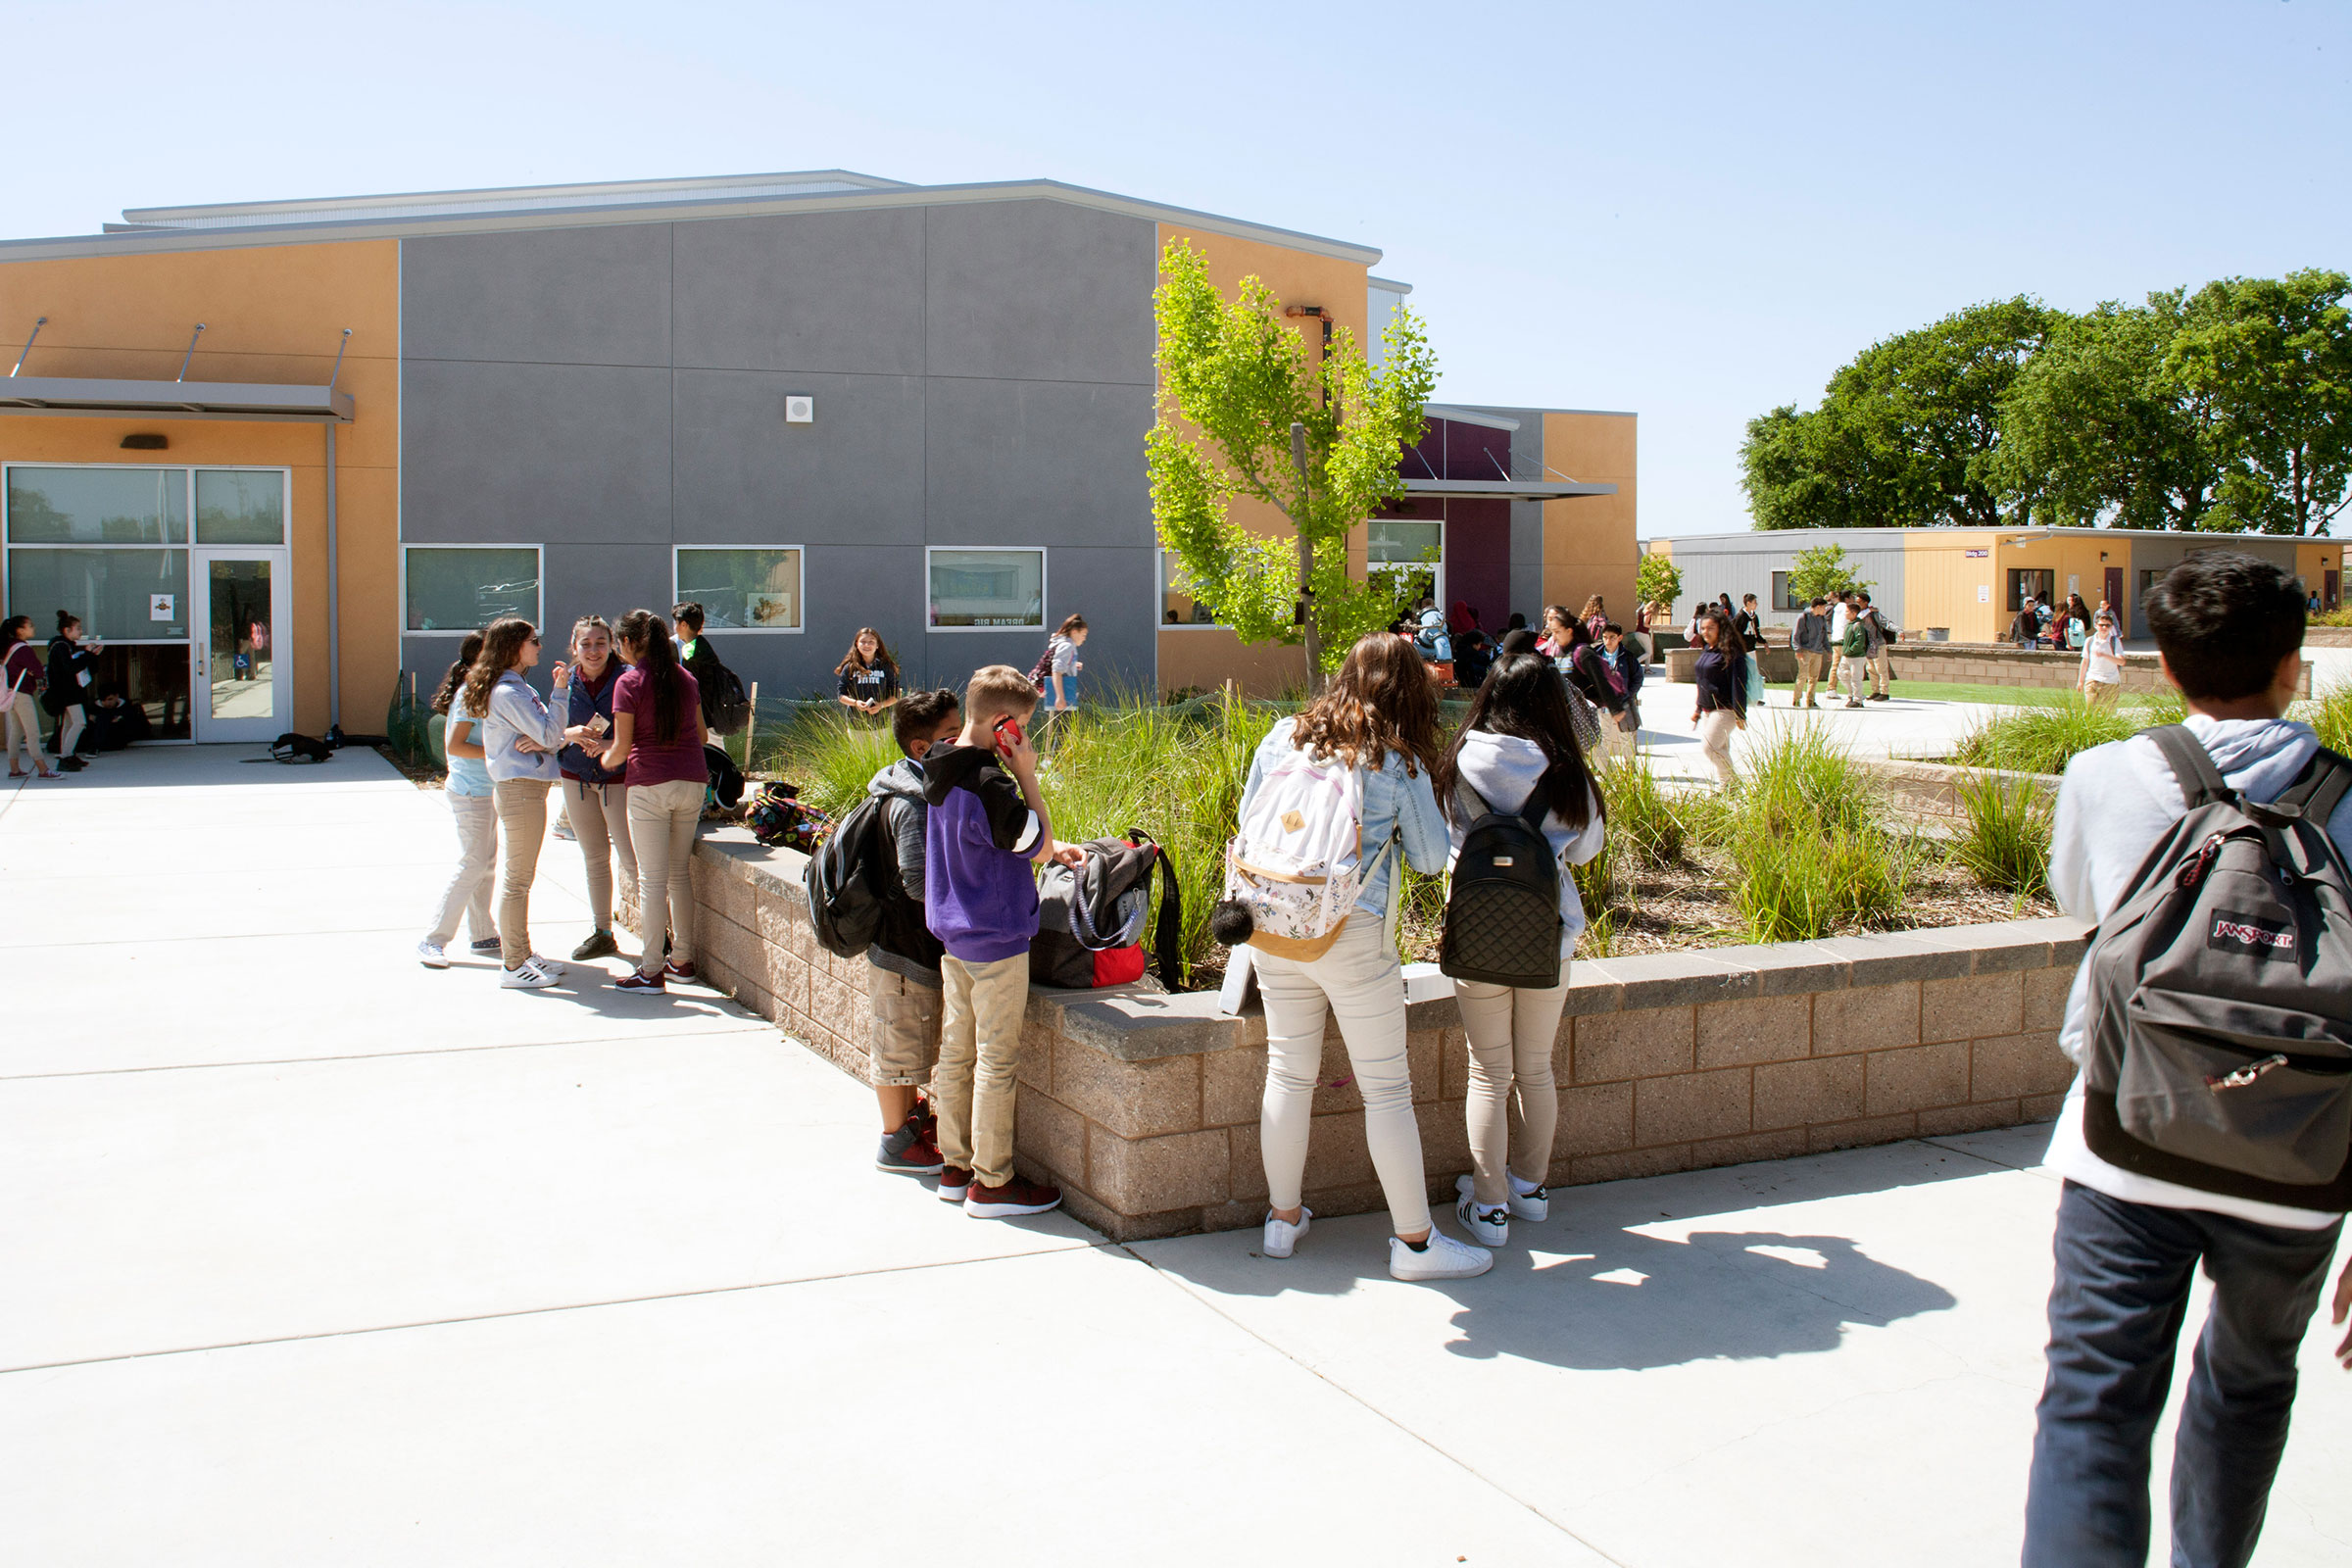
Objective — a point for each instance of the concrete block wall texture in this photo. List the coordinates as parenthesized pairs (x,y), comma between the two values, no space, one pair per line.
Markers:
(1934,789)
(2003,665)
(1143,1107)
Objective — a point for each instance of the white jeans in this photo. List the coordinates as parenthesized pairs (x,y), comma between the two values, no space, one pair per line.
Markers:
(1715,728)
(1512,1034)
(1857,670)
(1358,979)
(468,895)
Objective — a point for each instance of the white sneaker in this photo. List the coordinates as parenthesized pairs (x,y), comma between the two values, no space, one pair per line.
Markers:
(553,969)
(527,977)
(1443,1258)
(1282,1236)
(1488,1227)
(432,956)
(1533,1203)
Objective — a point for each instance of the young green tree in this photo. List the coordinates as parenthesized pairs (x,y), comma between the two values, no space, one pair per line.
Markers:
(2274,356)
(1657,580)
(1822,571)
(1245,408)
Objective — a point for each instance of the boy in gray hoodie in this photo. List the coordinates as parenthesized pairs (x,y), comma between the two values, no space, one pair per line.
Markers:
(901,966)
(2230,628)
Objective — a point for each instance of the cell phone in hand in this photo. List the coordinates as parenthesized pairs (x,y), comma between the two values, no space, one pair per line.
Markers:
(599,724)
(1007,732)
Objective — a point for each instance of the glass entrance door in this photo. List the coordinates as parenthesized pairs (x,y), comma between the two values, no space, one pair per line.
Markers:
(244,680)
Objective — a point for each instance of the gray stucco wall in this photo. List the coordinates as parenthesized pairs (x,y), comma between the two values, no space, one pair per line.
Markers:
(982,373)
(1744,563)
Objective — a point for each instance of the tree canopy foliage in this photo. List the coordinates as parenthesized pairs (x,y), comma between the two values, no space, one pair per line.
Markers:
(2229,407)
(1657,580)
(1234,381)
(1823,571)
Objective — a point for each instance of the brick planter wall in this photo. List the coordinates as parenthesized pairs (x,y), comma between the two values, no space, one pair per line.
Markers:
(2002,664)
(1143,1107)
(1933,789)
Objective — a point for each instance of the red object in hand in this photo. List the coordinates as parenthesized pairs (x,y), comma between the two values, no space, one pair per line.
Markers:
(1007,732)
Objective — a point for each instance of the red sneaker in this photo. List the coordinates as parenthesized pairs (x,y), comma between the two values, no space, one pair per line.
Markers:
(955,1184)
(910,1152)
(1015,1197)
(682,971)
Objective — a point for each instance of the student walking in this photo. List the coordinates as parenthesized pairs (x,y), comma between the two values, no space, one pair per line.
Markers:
(596,798)
(1513,755)
(1614,679)
(521,737)
(473,808)
(902,983)
(2130,1244)
(71,665)
(2078,622)
(1810,641)
(1882,663)
(2101,676)
(1062,664)
(20,701)
(1596,616)
(2025,627)
(1748,624)
(658,737)
(869,676)
(986,828)
(1722,700)
(1378,717)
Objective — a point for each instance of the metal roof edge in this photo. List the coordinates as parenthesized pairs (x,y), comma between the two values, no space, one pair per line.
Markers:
(1390,284)
(322,204)
(153,240)
(1470,413)
(1527,408)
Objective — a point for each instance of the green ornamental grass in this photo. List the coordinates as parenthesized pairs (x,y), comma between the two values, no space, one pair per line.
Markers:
(2043,740)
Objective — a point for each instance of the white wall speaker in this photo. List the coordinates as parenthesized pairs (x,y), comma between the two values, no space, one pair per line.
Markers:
(800,411)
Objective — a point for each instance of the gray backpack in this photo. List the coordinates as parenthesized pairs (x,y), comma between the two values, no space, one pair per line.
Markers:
(2218,1038)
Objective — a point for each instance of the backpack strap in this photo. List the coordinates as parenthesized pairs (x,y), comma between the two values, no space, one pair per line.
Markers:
(1533,811)
(2319,788)
(2201,783)
(1168,931)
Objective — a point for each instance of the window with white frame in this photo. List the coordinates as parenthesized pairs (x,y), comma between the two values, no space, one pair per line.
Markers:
(459,588)
(1411,554)
(986,589)
(1177,604)
(741,586)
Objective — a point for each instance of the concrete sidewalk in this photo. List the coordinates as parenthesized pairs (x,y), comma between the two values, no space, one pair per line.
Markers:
(310,1256)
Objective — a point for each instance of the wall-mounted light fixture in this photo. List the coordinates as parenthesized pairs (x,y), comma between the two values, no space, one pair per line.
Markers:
(146,441)
(799,409)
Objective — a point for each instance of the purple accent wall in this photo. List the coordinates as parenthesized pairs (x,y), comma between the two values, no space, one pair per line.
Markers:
(1478,559)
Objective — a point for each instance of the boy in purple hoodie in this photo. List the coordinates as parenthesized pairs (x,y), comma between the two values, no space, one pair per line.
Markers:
(987,826)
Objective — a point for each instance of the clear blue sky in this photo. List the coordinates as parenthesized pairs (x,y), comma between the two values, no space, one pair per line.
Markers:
(1690,211)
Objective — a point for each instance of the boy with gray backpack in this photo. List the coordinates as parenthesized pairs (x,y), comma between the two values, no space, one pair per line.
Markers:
(2211,1120)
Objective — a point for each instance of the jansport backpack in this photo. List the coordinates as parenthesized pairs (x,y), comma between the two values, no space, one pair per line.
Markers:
(2218,1037)
(1090,919)
(845,903)
(1296,865)
(1502,911)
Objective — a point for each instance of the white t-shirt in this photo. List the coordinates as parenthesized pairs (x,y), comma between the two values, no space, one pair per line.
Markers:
(2103,659)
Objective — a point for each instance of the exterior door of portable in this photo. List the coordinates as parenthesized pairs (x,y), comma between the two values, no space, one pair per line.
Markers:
(242,669)
(2113,594)
(2331,588)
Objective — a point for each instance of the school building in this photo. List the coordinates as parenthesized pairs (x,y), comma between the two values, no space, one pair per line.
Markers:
(282,455)
(1965,583)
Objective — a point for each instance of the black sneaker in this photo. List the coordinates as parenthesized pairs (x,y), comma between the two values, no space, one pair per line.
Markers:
(487,946)
(910,1152)
(600,945)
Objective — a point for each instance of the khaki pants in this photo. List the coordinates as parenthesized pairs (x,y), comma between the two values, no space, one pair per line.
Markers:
(24,726)
(1811,670)
(2101,693)
(1857,669)
(1359,980)
(905,1046)
(468,895)
(599,814)
(1511,1035)
(982,1008)
(1617,745)
(1715,728)
(661,822)
(522,821)
(1882,669)
(69,726)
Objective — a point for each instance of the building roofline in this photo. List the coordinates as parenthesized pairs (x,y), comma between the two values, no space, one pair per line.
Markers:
(656,210)
(649,188)
(2035,529)
(1390,285)
(1530,408)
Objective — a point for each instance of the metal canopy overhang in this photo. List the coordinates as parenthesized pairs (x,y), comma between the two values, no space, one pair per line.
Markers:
(91,397)
(1496,489)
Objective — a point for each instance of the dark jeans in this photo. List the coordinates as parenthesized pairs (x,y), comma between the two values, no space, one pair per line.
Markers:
(2116,1309)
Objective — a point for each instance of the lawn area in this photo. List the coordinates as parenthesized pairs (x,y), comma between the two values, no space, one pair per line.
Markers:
(1954,692)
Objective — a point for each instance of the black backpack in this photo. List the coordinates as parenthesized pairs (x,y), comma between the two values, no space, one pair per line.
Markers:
(730,708)
(843,879)
(1503,912)
(1040,672)
(1090,919)
(725,779)
(293,748)
(2218,1045)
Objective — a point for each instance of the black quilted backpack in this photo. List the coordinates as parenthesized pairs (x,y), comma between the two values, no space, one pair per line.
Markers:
(1503,912)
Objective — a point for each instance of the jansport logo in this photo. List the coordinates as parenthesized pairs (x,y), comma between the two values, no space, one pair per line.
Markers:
(2243,932)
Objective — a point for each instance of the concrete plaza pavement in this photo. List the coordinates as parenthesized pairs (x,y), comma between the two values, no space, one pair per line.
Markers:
(310,1256)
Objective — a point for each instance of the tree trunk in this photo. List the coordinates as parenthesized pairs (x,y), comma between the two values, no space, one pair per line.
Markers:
(1315,633)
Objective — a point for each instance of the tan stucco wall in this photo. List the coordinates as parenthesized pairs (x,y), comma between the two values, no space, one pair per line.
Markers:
(271,314)
(1588,543)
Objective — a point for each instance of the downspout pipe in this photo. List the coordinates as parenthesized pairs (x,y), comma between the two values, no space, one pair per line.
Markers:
(334,580)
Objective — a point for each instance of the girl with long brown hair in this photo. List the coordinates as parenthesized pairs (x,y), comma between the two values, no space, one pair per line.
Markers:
(658,737)
(1379,717)
(473,808)
(521,737)
(869,676)
(596,799)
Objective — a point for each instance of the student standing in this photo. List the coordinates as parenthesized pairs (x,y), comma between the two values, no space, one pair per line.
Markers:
(987,826)
(658,737)
(521,737)
(1609,677)
(869,676)
(2078,622)
(2025,627)
(1810,641)
(1860,643)
(72,663)
(699,658)
(1722,700)
(1881,660)
(2101,677)
(25,675)
(1748,624)
(596,798)
(903,985)
(1514,748)
(1596,616)
(473,808)
(2230,628)
(1378,717)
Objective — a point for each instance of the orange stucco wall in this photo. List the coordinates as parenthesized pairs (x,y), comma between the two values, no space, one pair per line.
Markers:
(1588,543)
(271,314)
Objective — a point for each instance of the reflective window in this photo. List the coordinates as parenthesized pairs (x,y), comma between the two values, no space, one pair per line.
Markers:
(465,588)
(1395,541)
(120,595)
(240,507)
(242,656)
(97,506)
(755,589)
(1177,606)
(988,588)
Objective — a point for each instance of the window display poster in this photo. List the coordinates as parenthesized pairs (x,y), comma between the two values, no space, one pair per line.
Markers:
(162,607)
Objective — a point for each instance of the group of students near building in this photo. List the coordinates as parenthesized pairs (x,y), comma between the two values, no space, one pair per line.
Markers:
(63,684)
